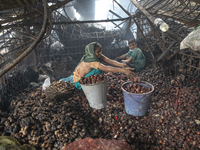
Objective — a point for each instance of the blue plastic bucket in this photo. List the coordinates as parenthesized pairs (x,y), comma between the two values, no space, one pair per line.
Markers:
(137,104)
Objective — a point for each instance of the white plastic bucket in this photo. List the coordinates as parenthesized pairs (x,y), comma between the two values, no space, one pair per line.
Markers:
(96,94)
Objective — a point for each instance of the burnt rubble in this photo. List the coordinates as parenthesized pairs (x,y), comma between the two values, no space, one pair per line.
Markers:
(172,122)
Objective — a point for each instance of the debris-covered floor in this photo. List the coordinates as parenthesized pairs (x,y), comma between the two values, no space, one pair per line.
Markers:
(173,120)
(47,38)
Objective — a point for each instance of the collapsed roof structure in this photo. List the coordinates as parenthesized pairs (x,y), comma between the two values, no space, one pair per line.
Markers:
(43,40)
(34,32)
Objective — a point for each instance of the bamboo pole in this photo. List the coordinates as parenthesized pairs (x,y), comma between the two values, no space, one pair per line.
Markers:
(152,19)
(67,22)
(145,40)
(115,14)
(32,46)
(53,7)
(166,51)
(123,8)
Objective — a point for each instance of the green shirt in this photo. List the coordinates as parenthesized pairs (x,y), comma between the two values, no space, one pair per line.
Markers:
(138,58)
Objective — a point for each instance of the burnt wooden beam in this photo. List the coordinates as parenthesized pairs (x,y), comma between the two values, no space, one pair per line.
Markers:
(176,51)
(195,52)
(166,51)
(188,21)
(13,57)
(66,22)
(13,4)
(196,1)
(90,21)
(161,44)
(152,19)
(144,39)
(122,8)
(31,47)
(53,7)
(148,15)
(154,5)
(114,23)
(13,50)
(120,24)
(125,12)
(172,55)
(198,55)
(163,40)
(174,36)
(115,14)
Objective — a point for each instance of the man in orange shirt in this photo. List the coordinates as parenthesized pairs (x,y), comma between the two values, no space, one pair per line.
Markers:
(91,64)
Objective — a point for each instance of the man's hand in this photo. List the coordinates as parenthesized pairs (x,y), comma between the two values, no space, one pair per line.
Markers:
(127,67)
(132,69)
(124,61)
(129,73)
(124,65)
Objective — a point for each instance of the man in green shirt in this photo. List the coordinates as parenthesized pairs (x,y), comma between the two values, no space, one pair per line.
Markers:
(134,58)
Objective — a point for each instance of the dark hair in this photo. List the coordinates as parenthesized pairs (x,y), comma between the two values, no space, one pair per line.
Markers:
(131,41)
(96,46)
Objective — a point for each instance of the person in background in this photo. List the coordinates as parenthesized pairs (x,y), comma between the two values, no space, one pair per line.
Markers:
(134,58)
(91,64)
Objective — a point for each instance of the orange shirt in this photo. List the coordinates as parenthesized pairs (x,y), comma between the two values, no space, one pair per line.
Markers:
(84,68)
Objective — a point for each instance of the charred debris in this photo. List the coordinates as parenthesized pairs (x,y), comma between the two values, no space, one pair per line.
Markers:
(41,38)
